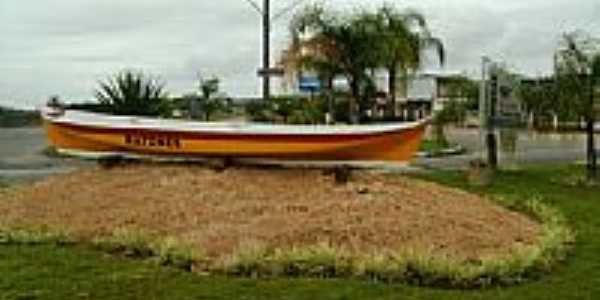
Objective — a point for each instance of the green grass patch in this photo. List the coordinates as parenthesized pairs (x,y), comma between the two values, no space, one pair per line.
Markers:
(432,146)
(165,251)
(33,237)
(30,272)
(435,149)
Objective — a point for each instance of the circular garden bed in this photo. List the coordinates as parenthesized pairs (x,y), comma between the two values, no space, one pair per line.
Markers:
(283,222)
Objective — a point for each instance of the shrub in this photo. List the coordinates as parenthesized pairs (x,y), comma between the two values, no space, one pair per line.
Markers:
(172,252)
(33,237)
(123,241)
(133,93)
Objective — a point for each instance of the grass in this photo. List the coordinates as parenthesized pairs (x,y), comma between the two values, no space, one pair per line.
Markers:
(52,152)
(435,149)
(30,272)
(431,146)
(165,251)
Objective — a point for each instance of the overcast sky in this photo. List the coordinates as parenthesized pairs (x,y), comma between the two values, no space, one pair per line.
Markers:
(64,47)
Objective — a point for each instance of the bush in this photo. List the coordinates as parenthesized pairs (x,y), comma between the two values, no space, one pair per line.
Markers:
(131,93)
(288,110)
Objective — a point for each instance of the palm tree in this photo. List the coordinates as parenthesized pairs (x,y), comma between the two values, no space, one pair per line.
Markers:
(578,73)
(209,104)
(133,93)
(352,46)
(335,46)
(402,46)
(317,53)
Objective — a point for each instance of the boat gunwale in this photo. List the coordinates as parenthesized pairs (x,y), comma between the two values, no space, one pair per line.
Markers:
(100,121)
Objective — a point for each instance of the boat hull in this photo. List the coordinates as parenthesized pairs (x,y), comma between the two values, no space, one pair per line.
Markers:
(392,145)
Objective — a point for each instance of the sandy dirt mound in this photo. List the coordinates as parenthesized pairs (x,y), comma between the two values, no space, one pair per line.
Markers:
(220,211)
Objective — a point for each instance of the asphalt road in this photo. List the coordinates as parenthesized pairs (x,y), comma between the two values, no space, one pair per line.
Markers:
(21,156)
(530,148)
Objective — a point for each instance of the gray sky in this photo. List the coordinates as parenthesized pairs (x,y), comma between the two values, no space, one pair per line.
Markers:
(64,47)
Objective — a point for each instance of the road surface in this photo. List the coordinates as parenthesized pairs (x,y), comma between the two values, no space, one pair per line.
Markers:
(531,148)
(21,156)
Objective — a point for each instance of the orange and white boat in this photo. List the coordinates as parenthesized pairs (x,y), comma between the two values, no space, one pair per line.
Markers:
(95,134)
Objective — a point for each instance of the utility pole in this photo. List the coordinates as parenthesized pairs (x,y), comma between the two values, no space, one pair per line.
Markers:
(266,71)
(266,49)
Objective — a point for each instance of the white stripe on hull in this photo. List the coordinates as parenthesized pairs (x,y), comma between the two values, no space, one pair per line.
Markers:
(97,120)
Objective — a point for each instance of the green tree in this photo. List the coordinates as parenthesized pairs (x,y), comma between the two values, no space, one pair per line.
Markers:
(464,88)
(336,46)
(578,75)
(133,93)
(208,103)
(400,46)
(463,93)
(284,106)
(355,45)
(258,111)
(454,111)
(538,98)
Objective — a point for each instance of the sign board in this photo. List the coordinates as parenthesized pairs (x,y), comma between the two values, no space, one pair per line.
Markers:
(340,84)
(507,106)
(309,84)
(271,72)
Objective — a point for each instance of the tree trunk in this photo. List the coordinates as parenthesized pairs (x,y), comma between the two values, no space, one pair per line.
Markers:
(591,147)
(330,99)
(440,136)
(392,72)
(352,113)
(329,83)
(591,151)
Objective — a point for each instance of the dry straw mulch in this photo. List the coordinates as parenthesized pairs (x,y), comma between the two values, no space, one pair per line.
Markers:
(221,211)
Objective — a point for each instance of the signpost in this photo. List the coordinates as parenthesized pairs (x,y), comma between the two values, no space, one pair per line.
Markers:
(267,72)
(498,107)
(270,72)
(310,84)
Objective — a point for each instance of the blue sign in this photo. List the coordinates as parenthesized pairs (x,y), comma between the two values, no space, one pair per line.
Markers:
(309,84)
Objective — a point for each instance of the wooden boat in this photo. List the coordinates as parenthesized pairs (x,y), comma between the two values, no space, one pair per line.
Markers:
(78,132)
